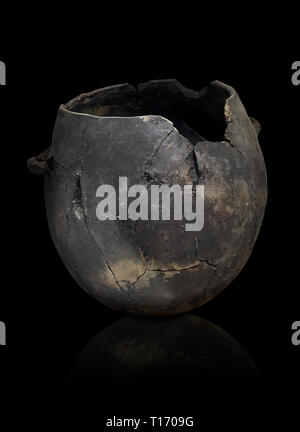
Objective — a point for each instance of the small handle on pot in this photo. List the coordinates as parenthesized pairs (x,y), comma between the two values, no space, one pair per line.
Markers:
(256,125)
(40,164)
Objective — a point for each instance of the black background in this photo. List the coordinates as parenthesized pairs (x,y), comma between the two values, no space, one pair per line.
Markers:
(52,59)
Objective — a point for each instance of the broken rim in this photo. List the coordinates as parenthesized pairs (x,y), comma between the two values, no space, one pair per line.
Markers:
(167,99)
(193,113)
(202,115)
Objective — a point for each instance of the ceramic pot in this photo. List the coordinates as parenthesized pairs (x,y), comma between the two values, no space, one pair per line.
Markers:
(158,134)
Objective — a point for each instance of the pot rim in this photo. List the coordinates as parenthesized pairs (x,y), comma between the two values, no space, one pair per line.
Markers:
(85,98)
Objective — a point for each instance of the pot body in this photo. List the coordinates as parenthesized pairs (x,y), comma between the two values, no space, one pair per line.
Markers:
(154,267)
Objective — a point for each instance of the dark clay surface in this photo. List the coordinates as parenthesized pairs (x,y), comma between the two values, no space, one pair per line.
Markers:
(160,133)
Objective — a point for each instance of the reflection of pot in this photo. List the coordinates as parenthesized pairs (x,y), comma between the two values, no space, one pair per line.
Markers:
(163,356)
(142,266)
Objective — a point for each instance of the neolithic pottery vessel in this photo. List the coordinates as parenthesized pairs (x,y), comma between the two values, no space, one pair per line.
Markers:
(113,149)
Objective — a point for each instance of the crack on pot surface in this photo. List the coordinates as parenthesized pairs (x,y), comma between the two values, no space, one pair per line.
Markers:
(148,163)
(132,227)
(175,269)
(79,211)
